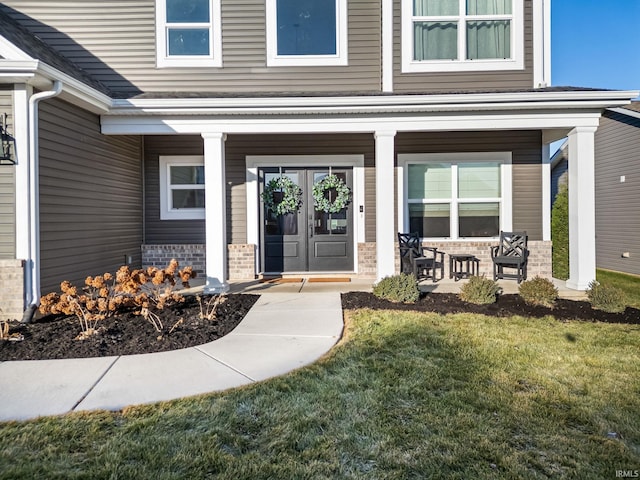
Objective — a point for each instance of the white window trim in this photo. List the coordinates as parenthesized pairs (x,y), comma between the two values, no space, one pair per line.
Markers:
(409,65)
(506,179)
(275,60)
(214,59)
(166,210)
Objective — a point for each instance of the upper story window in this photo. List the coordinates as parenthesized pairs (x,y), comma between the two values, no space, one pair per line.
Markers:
(188,33)
(306,32)
(462,35)
(182,187)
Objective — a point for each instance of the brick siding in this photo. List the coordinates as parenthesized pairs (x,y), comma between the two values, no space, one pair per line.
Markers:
(12,291)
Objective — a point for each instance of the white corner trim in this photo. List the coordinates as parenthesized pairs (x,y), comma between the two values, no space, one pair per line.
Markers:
(9,51)
(546,192)
(541,43)
(166,210)
(341,58)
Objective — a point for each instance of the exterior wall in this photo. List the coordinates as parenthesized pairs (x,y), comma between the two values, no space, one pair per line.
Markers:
(11,289)
(618,203)
(90,196)
(467,81)
(115,43)
(241,258)
(526,170)
(156,231)
(7,189)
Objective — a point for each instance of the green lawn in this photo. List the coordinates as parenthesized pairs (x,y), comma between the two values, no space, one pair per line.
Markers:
(627,283)
(403,396)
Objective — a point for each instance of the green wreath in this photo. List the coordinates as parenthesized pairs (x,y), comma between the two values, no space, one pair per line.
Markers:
(291,195)
(343,194)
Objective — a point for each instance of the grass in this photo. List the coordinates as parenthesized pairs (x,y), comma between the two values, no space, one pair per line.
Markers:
(627,283)
(404,395)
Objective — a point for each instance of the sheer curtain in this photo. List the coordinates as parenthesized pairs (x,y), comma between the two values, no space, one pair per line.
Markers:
(489,38)
(435,40)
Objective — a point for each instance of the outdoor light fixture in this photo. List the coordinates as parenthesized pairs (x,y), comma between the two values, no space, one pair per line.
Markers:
(7,143)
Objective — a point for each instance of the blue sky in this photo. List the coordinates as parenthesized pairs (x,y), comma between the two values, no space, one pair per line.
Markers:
(596,43)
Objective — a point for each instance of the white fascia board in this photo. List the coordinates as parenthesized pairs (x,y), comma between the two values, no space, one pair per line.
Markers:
(92,99)
(10,51)
(122,125)
(624,111)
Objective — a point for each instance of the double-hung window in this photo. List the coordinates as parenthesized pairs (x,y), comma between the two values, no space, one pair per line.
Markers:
(457,196)
(462,35)
(188,33)
(182,188)
(306,32)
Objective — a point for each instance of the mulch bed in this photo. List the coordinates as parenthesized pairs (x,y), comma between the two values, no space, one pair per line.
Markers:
(53,337)
(506,306)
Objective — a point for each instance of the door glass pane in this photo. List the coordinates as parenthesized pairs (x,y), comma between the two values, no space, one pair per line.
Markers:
(435,7)
(489,39)
(188,41)
(435,41)
(430,181)
(326,223)
(479,180)
(479,219)
(306,27)
(430,220)
(489,7)
(187,11)
(187,198)
(275,224)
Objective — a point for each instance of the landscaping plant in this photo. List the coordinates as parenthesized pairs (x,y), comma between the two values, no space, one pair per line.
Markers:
(105,295)
(538,291)
(479,290)
(209,308)
(560,234)
(606,297)
(397,288)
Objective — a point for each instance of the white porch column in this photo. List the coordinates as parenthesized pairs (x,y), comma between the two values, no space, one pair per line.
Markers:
(216,213)
(385,211)
(582,208)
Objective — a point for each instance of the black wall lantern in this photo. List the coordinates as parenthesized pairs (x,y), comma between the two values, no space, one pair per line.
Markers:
(7,143)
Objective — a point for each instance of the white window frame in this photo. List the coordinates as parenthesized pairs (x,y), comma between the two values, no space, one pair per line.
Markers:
(167,212)
(214,59)
(275,60)
(409,65)
(455,159)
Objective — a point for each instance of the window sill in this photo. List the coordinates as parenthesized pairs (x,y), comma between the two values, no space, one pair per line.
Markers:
(462,66)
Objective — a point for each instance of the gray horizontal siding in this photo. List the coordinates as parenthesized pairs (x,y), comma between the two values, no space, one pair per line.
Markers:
(114,40)
(467,81)
(7,188)
(90,196)
(526,157)
(618,203)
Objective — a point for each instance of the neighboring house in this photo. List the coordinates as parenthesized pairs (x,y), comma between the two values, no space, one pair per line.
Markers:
(618,190)
(147,129)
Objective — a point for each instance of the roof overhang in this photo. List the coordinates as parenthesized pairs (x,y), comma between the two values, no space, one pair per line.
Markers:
(627,112)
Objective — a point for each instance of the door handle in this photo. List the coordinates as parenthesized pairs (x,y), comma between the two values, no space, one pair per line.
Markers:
(310,230)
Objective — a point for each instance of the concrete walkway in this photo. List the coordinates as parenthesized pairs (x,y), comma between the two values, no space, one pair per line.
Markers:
(291,325)
(283,331)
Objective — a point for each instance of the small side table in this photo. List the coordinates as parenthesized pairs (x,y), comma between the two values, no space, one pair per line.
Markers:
(463,266)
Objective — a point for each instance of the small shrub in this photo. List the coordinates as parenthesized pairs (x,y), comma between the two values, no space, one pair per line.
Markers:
(398,288)
(560,234)
(479,290)
(209,308)
(539,291)
(606,297)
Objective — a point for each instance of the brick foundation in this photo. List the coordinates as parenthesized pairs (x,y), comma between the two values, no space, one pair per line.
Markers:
(11,289)
(240,258)
(367,260)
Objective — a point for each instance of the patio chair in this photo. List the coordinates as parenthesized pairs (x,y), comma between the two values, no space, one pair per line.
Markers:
(422,262)
(511,253)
